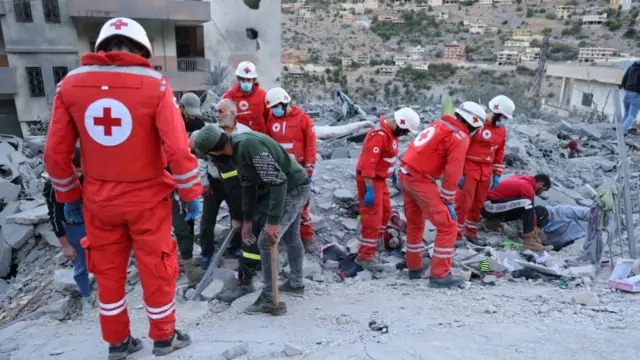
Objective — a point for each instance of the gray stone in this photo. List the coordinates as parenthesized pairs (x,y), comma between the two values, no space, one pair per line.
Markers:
(489,280)
(586,298)
(292,349)
(364,275)
(45,231)
(527,130)
(5,257)
(26,205)
(9,192)
(586,281)
(340,153)
(590,131)
(133,276)
(583,271)
(466,275)
(17,234)
(235,351)
(343,194)
(30,217)
(355,153)
(58,310)
(4,286)
(213,289)
(60,259)
(10,209)
(351,224)
(63,280)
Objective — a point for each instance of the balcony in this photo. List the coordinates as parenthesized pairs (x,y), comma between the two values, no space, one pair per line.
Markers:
(184,74)
(8,81)
(194,12)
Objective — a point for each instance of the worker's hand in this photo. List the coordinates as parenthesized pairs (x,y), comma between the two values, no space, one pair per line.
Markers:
(206,190)
(461,183)
(394,178)
(369,196)
(247,233)
(309,180)
(452,211)
(495,180)
(192,208)
(236,224)
(73,212)
(272,232)
(69,252)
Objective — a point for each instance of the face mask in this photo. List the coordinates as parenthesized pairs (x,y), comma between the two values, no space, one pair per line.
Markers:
(500,123)
(277,112)
(246,87)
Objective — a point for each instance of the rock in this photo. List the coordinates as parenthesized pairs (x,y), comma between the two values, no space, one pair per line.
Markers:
(317,222)
(16,235)
(189,293)
(9,192)
(582,271)
(5,257)
(490,309)
(353,246)
(586,298)
(292,349)
(586,281)
(134,276)
(30,217)
(489,280)
(340,153)
(10,209)
(213,289)
(234,352)
(63,280)
(589,130)
(466,275)
(355,153)
(44,231)
(343,194)
(4,286)
(59,309)
(309,268)
(351,224)
(527,130)
(60,259)
(364,275)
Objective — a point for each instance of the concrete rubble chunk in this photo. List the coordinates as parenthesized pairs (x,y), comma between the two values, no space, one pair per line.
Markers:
(30,217)
(44,231)
(9,192)
(343,194)
(583,271)
(291,349)
(4,286)
(234,352)
(17,234)
(586,298)
(59,309)
(364,275)
(9,209)
(590,131)
(350,224)
(133,276)
(213,289)
(63,280)
(5,257)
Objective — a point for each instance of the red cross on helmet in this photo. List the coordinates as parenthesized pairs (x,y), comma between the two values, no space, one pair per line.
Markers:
(246,70)
(472,113)
(407,118)
(502,105)
(277,96)
(124,27)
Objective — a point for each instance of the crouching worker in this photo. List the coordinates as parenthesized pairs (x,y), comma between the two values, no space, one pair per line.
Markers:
(260,161)
(69,235)
(561,225)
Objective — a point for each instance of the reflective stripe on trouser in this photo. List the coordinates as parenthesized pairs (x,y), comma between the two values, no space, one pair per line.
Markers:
(306,232)
(510,210)
(470,198)
(373,218)
(422,199)
(108,245)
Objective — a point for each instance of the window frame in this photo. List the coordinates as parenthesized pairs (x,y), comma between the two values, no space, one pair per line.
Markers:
(585,96)
(56,70)
(54,11)
(34,92)
(23,12)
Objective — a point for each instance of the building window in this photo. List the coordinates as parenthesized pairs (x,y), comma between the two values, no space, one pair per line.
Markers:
(51,11)
(59,72)
(23,11)
(587,99)
(36,84)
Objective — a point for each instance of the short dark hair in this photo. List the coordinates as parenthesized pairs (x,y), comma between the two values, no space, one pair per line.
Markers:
(544,179)
(77,159)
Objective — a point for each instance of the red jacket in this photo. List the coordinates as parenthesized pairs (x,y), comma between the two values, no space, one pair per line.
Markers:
(379,152)
(252,107)
(296,134)
(439,150)
(129,124)
(515,187)
(487,147)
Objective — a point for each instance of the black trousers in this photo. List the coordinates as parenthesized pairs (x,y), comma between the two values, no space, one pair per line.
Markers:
(510,210)
(183,231)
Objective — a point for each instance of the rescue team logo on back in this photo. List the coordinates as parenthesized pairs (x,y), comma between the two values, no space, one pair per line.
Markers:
(243,105)
(486,134)
(424,136)
(108,122)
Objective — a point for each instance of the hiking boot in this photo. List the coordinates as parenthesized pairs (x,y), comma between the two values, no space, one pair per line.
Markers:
(287,288)
(177,341)
(309,246)
(449,281)
(532,242)
(194,273)
(231,295)
(122,350)
(368,265)
(492,224)
(204,262)
(260,306)
(87,304)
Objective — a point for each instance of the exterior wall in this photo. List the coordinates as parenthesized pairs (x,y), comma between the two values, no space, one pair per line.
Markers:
(233,18)
(602,96)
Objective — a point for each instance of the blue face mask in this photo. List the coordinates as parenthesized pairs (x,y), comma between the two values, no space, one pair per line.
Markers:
(500,123)
(277,112)
(246,87)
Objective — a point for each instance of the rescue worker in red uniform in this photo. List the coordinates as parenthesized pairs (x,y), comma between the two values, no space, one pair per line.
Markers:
(513,199)
(439,150)
(376,164)
(482,168)
(293,129)
(249,97)
(129,126)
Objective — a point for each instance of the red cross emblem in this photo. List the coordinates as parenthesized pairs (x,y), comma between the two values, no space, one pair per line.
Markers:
(402,122)
(286,98)
(496,107)
(423,136)
(247,70)
(119,24)
(107,122)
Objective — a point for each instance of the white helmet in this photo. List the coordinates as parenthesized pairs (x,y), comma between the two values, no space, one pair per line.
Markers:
(502,105)
(472,113)
(124,27)
(408,119)
(276,96)
(247,70)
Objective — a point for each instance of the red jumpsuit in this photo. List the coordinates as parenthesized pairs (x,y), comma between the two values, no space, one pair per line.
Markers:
(129,126)
(438,150)
(485,157)
(377,162)
(295,132)
(252,108)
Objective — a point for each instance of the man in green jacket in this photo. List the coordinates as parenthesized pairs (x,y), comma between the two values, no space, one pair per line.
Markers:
(261,161)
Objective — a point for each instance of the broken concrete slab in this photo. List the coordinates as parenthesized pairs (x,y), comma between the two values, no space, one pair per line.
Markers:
(59,309)
(589,130)
(30,217)
(9,209)
(63,280)
(343,194)
(214,288)
(44,231)
(234,352)
(586,298)
(582,271)
(9,191)
(17,234)
(351,224)
(291,349)
(5,257)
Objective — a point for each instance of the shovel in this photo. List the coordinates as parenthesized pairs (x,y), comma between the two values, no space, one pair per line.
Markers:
(208,276)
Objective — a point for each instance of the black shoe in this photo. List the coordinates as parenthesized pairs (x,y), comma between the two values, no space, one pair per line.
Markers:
(286,288)
(122,350)
(418,274)
(232,295)
(259,306)
(177,341)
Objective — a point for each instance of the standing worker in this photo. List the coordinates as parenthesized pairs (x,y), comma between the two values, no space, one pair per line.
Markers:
(118,106)
(249,97)
(292,128)
(376,164)
(483,167)
(439,150)
(631,85)
(261,162)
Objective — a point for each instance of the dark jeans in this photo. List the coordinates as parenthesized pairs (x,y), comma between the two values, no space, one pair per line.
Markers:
(510,210)
(75,233)
(183,231)
(250,260)
(210,208)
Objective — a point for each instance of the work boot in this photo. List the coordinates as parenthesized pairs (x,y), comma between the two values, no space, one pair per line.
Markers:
(287,288)
(231,295)
(194,273)
(492,224)
(418,274)
(204,262)
(532,242)
(449,281)
(177,341)
(309,246)
(475,241)
(368,265)
(260,306)
(122,350)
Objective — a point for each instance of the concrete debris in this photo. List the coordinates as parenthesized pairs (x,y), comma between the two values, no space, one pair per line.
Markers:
(586,298)
(30,217)
(63,280)
(59,309)
(17,235)
(210,292)
(5,257)
(583,271)
(234,352)
(45,231)
(292,349)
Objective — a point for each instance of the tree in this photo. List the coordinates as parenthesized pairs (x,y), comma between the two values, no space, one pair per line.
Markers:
(630,33)
(546,31)
(530,12)
(216,77)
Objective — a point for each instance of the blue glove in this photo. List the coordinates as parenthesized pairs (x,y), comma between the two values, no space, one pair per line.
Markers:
(309,180)
(452,211)
(192,209)
(394,178)
(495,181)
(369,196)
(73,212)
(461,183)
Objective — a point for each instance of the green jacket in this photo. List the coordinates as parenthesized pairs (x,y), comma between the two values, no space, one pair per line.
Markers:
(262,161)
